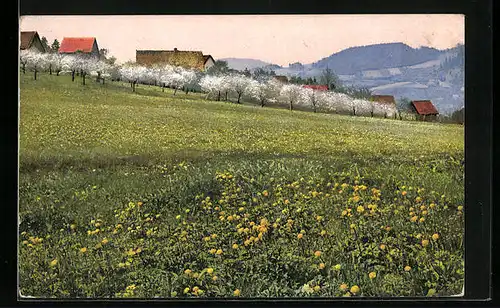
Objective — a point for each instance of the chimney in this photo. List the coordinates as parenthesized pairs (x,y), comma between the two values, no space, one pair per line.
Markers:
(175,49)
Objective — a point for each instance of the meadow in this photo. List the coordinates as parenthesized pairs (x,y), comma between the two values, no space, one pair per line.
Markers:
(148,194)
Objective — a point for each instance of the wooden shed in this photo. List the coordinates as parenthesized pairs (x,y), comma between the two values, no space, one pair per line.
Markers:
(425,110)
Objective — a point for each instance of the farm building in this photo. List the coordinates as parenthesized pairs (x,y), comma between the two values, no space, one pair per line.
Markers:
(209,61)
(280,78)
(187,59)
(384,99)
(85,45)
(30,40)
(425,110)
(316,87)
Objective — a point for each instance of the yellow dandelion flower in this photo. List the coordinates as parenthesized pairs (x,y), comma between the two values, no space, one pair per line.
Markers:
(354,289)
(53,263)
(317,253)
(425,243)
(213,250)
(413,219)
(382,246)
(196,275)
(353,226)
(403,193)
(425,212)
(435,236)
(343,287)
(265,193)
(321,266)
(344,212)
(188,272)
(214,235)
(460,208)
(210,270)
(237,292)
(218,252)
(322,233)
(372,275)
(418,199)
(84,249)
(72,227)
(337,267)
(235,246)
(432,205)
(300,235)
(421,219)
(104,241)
(214,278)
(407,268)
(186,290)
(355,198)
(317,288)
(247,242)
(360,209)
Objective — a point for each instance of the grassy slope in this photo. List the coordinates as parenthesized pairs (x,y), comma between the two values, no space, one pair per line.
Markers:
(113,146)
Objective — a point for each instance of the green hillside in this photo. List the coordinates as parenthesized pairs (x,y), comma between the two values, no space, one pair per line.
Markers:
(158,175)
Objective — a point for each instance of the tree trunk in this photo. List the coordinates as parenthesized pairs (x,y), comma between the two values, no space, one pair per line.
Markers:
(163,87)
(371,113)
(35,74)
(175,91)
(291,105)
(353,110)
(218,97)
(134,85)
(226,96)
(83,78)
(314,107)
(24,68)
(262,102)
(187,90)
(73,75)
(98,77)
(239,96)
(57,72)
(50,69)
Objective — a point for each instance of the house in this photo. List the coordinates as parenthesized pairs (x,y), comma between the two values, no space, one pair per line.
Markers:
(84,45)
(30,40)
(183,58)
(209,61)
(425,110)
(316,87)
(384,99)
(281,78)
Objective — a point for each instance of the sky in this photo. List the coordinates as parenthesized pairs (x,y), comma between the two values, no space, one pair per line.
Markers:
(277,39)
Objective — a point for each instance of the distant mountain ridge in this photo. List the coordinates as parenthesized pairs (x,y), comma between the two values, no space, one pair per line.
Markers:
(241,64)
(389,68)
(374,57)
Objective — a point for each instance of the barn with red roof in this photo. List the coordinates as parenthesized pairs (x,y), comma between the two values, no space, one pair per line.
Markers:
(85,45)
(425,110)
(30,40)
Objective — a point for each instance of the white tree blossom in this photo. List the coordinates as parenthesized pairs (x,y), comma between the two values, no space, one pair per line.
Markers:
(240,84)
(290,93)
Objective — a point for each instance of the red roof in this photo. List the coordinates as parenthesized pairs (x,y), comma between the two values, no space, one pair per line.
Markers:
(424,107)
(316,87)
(74,44)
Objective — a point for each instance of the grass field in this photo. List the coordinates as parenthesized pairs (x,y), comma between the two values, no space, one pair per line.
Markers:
(148,194)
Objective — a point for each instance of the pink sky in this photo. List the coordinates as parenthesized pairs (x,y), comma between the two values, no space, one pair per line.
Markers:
(278,39)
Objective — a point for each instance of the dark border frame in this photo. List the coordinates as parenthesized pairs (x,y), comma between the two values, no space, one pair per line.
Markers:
(478,131)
